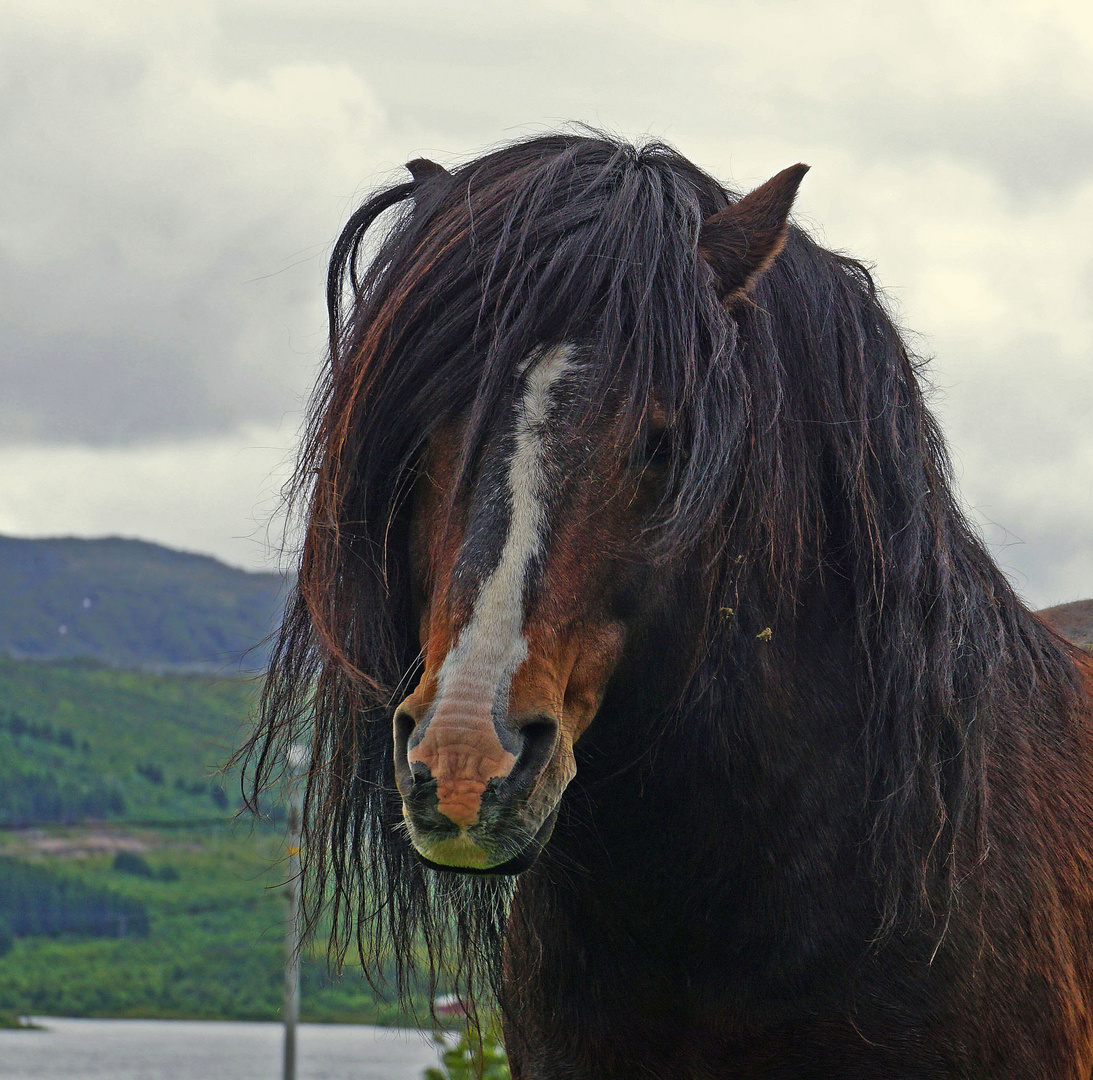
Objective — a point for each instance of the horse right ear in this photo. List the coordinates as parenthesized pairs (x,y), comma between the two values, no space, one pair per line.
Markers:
(422,169)
(741,241)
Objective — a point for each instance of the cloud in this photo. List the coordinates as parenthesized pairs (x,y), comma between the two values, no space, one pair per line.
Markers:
(162,231)
(174,175)
(1000,86)
(218,495)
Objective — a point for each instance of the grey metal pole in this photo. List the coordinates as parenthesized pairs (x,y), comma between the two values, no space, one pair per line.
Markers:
(297,759)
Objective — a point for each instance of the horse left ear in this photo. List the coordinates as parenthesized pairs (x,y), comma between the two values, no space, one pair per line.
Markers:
(741,241)
(422,169)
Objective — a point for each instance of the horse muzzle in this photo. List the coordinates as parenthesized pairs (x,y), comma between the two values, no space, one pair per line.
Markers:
(476,805)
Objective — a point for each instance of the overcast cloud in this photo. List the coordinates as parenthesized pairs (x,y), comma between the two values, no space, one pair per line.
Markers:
(173,177)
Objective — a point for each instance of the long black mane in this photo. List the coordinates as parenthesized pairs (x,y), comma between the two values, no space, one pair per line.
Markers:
(806,463)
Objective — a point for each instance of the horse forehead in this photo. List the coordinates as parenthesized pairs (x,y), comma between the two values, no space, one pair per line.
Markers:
(509,508)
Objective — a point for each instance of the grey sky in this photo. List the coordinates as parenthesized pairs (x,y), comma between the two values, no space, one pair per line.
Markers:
(174,175)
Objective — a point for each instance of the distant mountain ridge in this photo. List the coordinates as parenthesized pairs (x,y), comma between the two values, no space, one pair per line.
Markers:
(130,603)
(1073,621)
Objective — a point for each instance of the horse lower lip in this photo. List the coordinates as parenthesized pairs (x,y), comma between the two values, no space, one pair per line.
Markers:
(516,865)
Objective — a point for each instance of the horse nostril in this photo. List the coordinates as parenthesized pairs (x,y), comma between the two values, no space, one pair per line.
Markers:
(420,772)
(406,774)
(537,742)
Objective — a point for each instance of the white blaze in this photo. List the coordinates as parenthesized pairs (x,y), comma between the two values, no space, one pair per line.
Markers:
(492,646)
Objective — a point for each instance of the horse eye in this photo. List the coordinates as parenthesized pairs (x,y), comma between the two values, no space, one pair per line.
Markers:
(658,450)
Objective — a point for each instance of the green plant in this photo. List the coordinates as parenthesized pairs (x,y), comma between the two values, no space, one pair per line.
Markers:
(476,1056)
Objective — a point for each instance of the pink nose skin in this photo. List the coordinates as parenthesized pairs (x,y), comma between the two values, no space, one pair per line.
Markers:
(462,752)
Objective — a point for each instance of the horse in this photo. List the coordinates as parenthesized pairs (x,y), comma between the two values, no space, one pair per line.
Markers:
(659,694)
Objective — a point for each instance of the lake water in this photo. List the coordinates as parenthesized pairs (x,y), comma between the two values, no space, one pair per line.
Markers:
(208,1050)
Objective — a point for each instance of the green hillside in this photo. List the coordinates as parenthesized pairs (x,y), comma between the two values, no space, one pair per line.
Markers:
(133,604)
(101,769)
(213,947)
(127,889)
(80,740)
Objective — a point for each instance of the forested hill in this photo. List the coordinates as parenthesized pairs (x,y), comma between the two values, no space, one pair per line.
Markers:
(80,741)
(133,604)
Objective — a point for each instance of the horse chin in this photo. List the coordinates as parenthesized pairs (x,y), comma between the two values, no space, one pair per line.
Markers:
(467,857)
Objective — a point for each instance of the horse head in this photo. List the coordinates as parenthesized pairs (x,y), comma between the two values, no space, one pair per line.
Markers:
(533,572)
